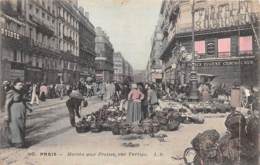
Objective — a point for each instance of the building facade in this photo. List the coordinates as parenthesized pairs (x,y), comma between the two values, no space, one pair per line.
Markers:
(128,71)
(225,40)
(104,56)
(13,48)
(68,40)
(154,70)
(86,45)
(118,67)
(42,40)
(123,70)
(139,76)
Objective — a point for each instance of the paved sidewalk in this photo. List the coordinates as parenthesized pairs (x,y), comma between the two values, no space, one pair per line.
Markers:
(54,102)
(48,104)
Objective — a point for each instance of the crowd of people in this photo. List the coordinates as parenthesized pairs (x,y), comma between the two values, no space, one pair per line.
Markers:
(18,97)
(139,100)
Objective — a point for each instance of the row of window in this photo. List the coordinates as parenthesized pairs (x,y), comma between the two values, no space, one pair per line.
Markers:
(66,46)
(245,46)
(44,14)
(41,38)
(44,63)
(49,42)
(65,30)
(68,17)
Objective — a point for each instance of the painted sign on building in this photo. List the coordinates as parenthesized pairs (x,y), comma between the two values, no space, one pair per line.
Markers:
(9,33)
(222,15)
(225,63)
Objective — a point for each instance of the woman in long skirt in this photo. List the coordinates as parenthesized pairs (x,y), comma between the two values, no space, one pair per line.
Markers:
(16,107)
(134,111)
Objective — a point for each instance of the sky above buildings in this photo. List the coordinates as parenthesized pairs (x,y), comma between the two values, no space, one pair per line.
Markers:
(129,24)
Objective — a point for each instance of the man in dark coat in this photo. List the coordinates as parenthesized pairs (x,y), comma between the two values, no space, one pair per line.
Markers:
(73,105)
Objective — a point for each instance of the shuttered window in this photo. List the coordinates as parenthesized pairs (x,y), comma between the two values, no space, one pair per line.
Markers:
(245,45)
(200,47)
(224,47)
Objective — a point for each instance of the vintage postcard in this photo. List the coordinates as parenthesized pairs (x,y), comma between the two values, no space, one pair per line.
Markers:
(129,82)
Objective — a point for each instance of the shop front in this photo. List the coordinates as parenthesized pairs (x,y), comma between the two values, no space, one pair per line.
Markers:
(13,70)
(34,74)
(241,70)
(229,71)
(70,76)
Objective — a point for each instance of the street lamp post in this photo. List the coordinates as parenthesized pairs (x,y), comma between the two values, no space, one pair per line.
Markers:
(193,74)
(2,22)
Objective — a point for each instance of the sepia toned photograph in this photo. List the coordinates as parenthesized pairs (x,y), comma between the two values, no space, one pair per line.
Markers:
(129,82)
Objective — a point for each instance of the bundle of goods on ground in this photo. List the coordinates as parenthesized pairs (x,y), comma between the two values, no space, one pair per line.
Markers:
(208,107)
(237,146)
(212,106)
(112,119)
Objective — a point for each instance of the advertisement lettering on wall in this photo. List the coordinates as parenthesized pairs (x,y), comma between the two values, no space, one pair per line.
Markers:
(224,15)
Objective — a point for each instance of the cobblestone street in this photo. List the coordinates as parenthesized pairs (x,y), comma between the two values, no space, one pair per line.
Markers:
(51,137)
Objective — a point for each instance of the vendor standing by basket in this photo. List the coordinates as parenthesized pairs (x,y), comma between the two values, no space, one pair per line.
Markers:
(134,110)
(73,104)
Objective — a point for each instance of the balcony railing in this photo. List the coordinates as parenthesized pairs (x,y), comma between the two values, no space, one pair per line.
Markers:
(43,45)
(69,39)
(42,26)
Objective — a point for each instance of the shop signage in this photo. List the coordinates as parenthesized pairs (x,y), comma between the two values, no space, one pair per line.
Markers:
(223,15)
(10,34)
(225,63)
(210,48)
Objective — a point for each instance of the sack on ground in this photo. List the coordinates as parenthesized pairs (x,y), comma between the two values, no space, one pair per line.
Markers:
(197,119)
(116,129)
(96,127)
(82,126)
(173,125)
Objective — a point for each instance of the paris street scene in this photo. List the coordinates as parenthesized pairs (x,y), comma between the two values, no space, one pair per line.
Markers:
(129,82)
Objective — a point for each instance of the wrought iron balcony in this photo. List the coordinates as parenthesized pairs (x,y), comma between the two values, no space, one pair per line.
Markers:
(41,26)
(69,39)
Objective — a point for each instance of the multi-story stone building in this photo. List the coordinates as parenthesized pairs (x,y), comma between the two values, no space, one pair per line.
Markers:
(41,30)
(168,14)
(104,52)
(139,76)
(123,71)
(68,39)
(148,76)
(118,67)
(14,50)
(226,43)
(128,71)
(42,40)
(155,65)
(86,45)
